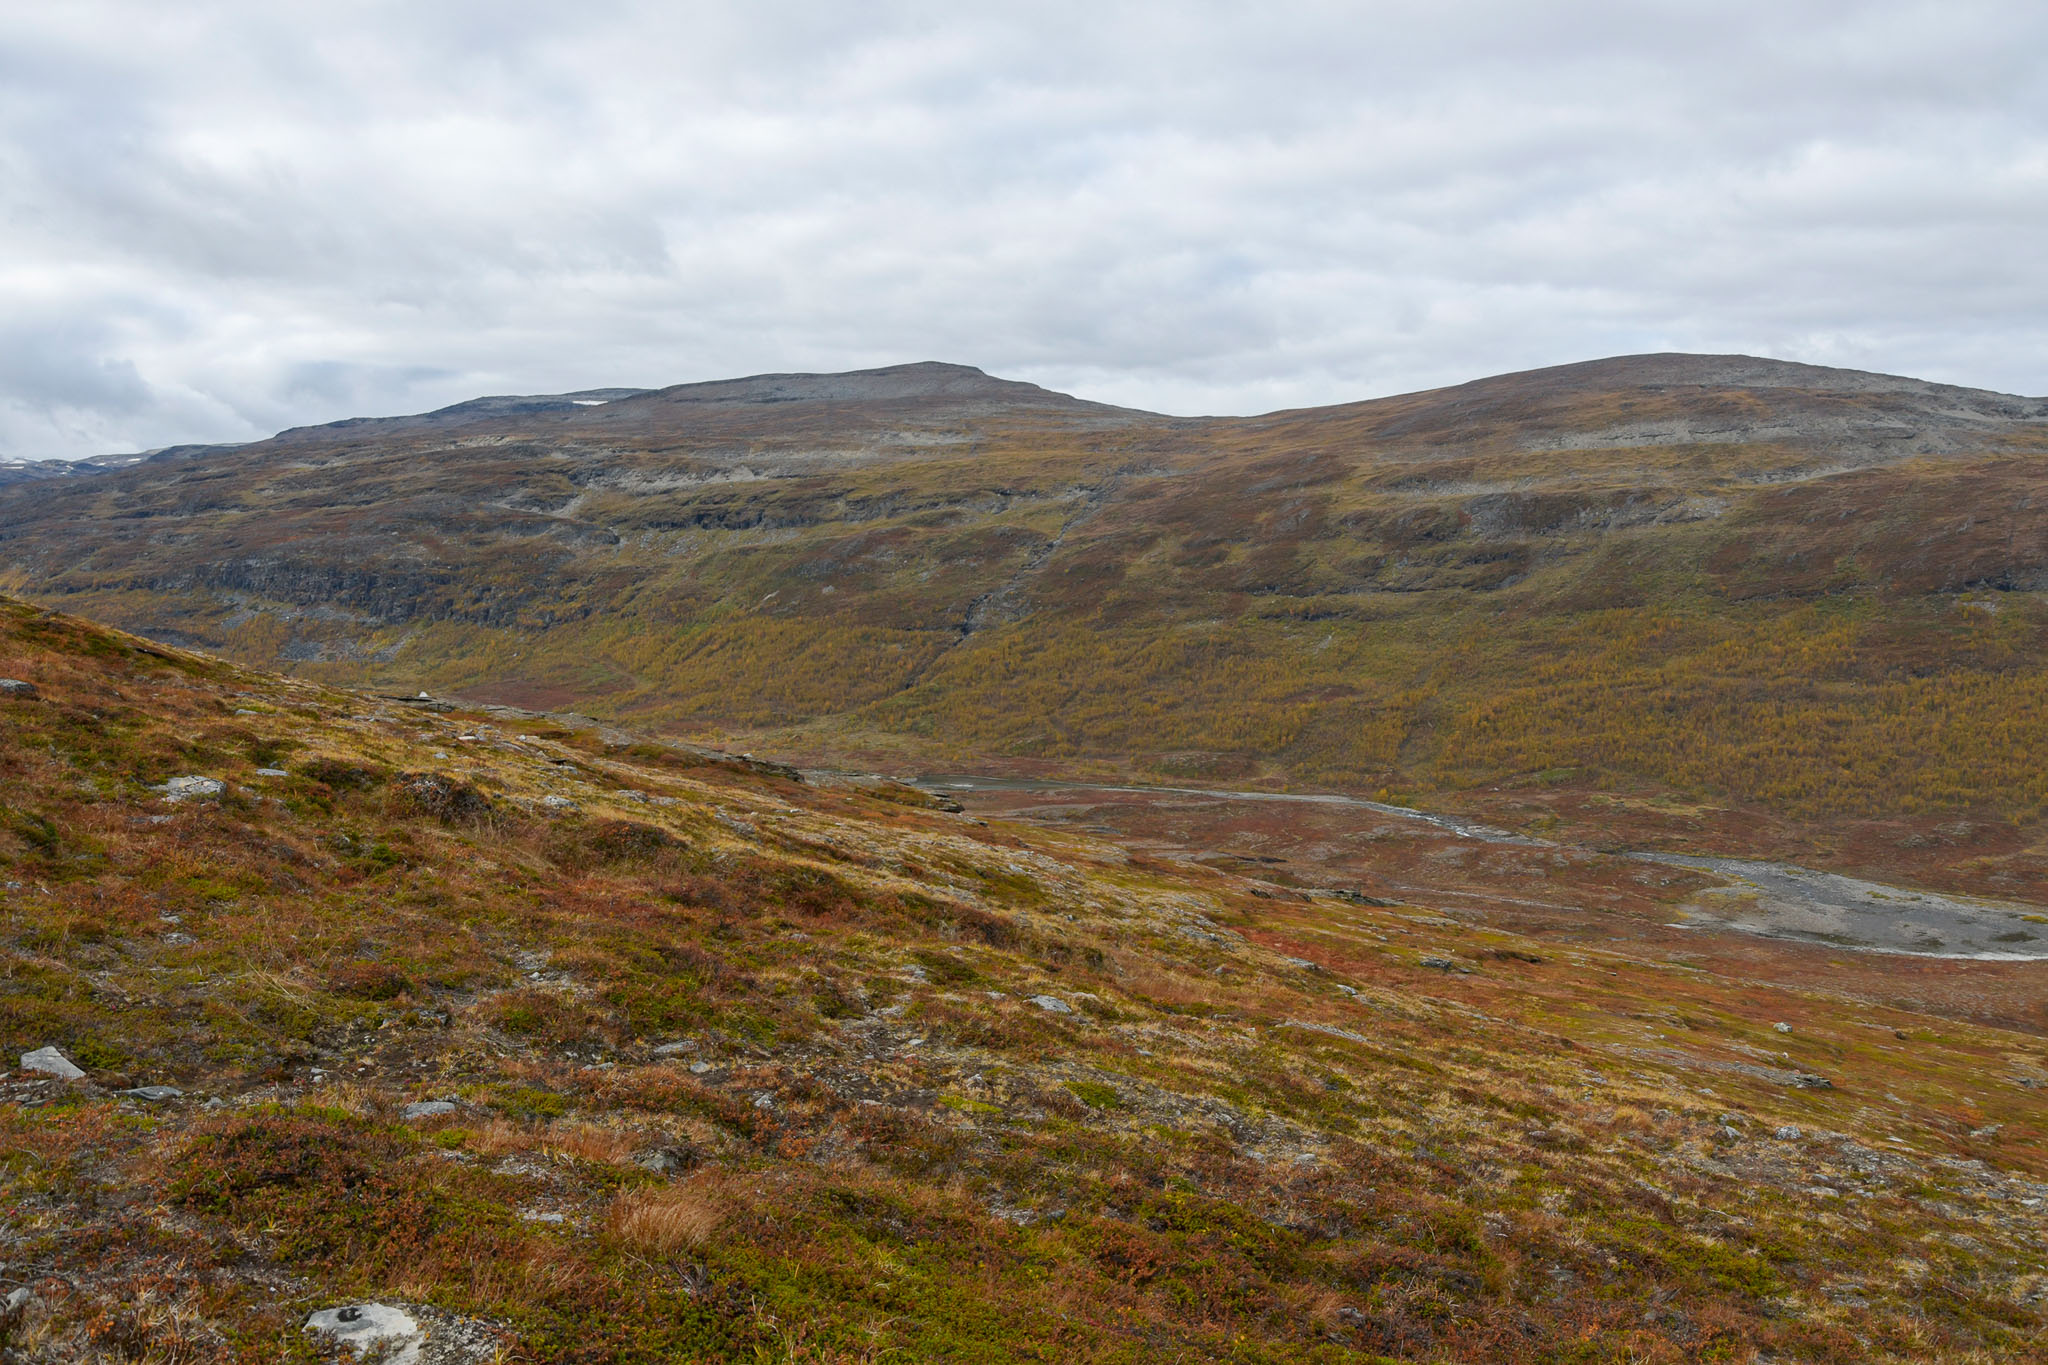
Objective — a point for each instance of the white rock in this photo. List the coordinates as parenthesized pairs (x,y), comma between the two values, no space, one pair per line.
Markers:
(184,788)
(427,1109)
(364,1325)
(51,1062)
(272,772)
(1788,1133)
(1052,1004)
(1782,1028)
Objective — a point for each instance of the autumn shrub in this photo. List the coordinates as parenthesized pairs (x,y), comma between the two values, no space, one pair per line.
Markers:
(442,797)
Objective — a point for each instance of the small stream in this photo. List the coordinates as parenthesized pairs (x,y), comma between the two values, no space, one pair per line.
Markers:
(1771,900)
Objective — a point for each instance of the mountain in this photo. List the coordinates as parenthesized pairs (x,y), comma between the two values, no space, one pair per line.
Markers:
(29,471)
(1769,608)
(526,1037)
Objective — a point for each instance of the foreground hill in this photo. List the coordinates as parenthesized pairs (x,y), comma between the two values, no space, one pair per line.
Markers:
(578,1047)
(1789,607)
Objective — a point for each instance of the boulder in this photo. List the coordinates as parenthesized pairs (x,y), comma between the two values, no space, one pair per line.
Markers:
(363,1326)
(1052,1004)
(428,1109)
(190,786)
(18,690)
(156,1093)
(51,1062)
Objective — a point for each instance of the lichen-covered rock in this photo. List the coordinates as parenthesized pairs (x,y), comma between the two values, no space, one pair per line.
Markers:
(192,787)
(51,1062)
(17,689)
(427,1109)
(364,1326)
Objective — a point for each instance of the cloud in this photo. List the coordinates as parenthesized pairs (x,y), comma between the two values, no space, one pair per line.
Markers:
(221,218)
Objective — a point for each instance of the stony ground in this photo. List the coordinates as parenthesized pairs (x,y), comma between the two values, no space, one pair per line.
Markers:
(573,1047)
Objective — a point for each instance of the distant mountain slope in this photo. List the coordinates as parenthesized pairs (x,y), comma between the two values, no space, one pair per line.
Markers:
(1800,593)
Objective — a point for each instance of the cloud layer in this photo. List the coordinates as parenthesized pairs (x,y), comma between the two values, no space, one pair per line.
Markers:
(221,219)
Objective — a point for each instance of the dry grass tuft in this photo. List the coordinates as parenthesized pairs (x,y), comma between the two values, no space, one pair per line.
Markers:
(668,1220)
(591,1142)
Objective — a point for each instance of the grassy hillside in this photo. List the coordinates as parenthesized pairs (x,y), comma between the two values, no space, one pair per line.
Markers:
(737,1067)
(1811,596)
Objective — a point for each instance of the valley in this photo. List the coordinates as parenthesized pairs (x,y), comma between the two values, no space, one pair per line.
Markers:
(565,1044)
(910,865)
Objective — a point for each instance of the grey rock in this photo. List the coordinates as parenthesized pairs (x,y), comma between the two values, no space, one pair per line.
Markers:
(1806,1080)
(671,1049)
(363,1326)
(1052,1004)
(272,772)
(558,803)
(668,1160)
(155,1093)
(19,690)
(1788,1133)
(427,1109)
(699,1068)
(187,787)
(51,1062)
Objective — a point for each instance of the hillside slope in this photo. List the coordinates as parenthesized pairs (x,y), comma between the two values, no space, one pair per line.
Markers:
(1807,601)
(719,1064)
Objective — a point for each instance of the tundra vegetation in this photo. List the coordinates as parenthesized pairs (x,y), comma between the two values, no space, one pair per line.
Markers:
(1804,601)
(723,1065)
(580,1041)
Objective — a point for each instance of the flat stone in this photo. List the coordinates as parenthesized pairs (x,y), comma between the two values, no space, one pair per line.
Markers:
(272,772)
(1052,1004)
(699,1068)
(366,1325)
(156,1092)
(671,1049)
(427,1109)
(19,690)
(185,788)
(51,1062)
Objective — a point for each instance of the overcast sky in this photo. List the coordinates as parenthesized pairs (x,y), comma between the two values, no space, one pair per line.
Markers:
(218,219)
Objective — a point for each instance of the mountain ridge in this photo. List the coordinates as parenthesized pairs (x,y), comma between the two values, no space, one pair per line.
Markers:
(1431,592)
(941,378)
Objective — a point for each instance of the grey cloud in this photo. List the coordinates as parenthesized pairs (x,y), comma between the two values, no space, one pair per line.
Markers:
(221,218)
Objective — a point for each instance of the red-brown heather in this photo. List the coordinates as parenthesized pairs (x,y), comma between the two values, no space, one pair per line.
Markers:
(725,1062)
